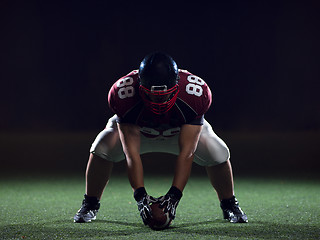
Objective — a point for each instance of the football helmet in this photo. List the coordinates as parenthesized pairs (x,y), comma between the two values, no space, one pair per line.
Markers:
(158,76)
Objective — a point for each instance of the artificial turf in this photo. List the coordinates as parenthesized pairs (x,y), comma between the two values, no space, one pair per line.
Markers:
(43,207)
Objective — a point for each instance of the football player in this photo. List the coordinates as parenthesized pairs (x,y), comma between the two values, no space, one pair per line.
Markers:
(159,108)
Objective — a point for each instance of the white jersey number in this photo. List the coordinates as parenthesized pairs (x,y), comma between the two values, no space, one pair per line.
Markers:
(195,85)
(125,88)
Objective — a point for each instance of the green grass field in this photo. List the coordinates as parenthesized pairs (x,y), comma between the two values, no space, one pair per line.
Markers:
(42,208)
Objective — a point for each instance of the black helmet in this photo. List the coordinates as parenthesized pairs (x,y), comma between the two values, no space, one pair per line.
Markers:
(159,75)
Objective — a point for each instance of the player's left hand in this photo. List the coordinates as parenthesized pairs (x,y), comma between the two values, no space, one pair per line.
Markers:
(170,201)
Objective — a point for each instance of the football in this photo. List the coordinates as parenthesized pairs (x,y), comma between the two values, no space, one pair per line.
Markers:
(160,220)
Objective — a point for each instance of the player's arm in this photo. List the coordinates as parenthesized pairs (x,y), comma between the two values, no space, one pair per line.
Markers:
(130,139)
(188,141)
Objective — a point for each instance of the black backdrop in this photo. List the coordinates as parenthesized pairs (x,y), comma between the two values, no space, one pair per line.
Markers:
(260,58)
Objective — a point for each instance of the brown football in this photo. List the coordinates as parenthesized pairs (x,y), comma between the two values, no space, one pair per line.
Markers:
(160,220)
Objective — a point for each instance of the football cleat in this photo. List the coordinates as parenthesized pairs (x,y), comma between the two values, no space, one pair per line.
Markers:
(88,211)
(232,211)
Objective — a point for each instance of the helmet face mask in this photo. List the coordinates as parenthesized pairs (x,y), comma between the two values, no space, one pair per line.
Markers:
(160,101)
(158,75)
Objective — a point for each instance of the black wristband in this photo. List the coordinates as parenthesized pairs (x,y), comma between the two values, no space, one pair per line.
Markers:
(175,192)
(139,193)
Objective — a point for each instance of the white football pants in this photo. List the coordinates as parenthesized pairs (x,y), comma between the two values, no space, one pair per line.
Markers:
(211,149)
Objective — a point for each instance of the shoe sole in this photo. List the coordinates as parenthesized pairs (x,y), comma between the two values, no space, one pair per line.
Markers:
(81,220)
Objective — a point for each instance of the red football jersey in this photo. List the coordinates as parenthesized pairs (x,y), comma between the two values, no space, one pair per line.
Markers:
(194,99)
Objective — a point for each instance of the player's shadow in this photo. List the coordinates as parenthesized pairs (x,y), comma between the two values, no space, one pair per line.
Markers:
(114,222)
(186,225)
(173,226)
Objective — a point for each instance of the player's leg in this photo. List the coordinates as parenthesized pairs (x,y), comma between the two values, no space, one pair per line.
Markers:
(105,150)
(214,154)
(97,175)
(221,179)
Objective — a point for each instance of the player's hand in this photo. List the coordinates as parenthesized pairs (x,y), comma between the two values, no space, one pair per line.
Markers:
(144,201)
(170,201)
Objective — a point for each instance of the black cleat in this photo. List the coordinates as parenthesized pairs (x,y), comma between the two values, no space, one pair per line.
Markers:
(232,211)
(88,210)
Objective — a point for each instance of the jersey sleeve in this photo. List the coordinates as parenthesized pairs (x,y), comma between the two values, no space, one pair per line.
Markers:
(123,95)
(196,94)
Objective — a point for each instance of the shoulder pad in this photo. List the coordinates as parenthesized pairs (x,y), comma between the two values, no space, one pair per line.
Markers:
(124,94)
(195,92)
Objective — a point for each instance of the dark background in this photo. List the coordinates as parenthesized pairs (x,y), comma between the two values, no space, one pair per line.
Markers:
(58,60)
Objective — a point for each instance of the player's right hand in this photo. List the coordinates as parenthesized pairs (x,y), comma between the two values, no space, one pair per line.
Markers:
(144,208)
